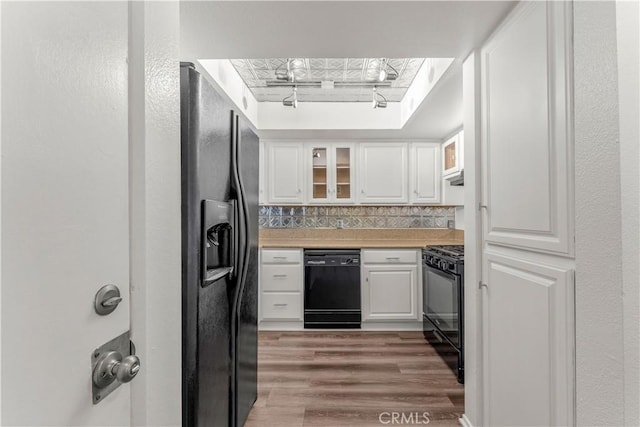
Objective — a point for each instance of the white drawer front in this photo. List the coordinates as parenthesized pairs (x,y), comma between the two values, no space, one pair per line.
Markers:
(281,278)
(385,256)
(282,306)
(281,256)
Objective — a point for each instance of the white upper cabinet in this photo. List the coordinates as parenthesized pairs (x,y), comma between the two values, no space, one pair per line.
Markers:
(285,173)
(350,173)
(425,173)
(383,173)
(330,173)
(452,155)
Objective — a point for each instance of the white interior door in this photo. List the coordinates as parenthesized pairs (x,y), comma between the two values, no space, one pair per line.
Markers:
(65,216)
(528,326)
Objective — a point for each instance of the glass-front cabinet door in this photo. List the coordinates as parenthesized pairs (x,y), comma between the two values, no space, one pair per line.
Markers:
(320,174)
(343,173)
(332,173)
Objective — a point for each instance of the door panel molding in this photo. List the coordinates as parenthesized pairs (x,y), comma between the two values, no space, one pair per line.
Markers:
(539,215)
(527,298)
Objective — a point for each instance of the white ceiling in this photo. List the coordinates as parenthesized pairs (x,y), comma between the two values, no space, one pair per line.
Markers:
(349,29)
(258,73)
(436,118)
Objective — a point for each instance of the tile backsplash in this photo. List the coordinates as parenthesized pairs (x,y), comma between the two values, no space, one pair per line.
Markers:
(355,216)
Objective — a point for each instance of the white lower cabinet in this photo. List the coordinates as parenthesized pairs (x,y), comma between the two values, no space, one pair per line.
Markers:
(281,278)
(281,285)
(390,285)
(281,306)
(390,289)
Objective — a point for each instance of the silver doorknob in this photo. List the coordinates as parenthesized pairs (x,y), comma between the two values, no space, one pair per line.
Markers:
(128,368)
(111,366)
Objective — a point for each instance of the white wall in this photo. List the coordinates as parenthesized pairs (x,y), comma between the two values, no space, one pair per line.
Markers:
(599,320)
(459,218)
(329,115)
(425,80)
(224,77)
(156,283)
(628,38)
(0,214)
(472,263)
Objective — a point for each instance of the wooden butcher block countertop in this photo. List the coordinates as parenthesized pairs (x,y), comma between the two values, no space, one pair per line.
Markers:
(331,238)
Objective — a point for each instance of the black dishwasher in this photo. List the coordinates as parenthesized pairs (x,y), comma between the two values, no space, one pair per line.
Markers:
(332,288)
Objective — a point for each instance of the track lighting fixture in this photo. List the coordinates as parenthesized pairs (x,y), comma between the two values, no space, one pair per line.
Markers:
(284,72)
(291,100)
(379,101)
(387,72)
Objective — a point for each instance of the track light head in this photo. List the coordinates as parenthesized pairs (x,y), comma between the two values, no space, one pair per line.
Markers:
(387,72)
(291,100)
(379,101)
(285,71)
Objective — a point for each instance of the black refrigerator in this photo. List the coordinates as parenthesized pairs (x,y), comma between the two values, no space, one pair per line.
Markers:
(219,257)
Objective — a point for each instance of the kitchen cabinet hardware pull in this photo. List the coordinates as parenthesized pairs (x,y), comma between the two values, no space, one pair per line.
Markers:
(280,305)
(279,275)
(279,257)
(393,257)
(483,285)
(481,206)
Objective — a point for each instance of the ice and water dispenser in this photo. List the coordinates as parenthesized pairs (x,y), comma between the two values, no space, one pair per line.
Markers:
(218,240)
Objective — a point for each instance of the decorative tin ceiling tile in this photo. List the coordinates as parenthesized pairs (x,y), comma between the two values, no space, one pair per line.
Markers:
(353,75)
(355,63)
(276,62)
(264,74)
(260,74)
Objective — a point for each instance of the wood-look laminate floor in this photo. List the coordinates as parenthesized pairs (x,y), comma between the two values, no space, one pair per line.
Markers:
(331,379)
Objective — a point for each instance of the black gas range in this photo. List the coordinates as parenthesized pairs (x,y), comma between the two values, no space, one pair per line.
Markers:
(443,302)
(445,257)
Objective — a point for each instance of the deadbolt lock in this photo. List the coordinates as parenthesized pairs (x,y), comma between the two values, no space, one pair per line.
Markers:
(107,300)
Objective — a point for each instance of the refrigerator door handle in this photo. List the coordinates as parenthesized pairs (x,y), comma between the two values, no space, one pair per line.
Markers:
(235,238)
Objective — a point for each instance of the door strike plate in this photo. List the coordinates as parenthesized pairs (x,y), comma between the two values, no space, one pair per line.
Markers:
(112,364)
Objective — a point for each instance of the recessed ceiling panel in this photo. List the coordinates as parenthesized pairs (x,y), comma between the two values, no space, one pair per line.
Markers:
(353,78)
